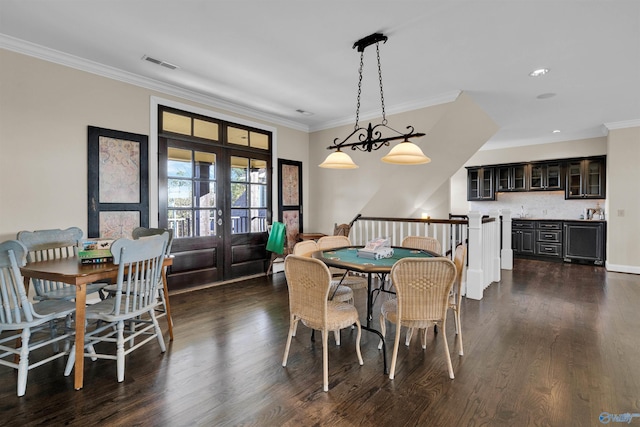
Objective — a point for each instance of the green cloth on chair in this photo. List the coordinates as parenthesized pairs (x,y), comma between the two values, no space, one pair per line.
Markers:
(277,238)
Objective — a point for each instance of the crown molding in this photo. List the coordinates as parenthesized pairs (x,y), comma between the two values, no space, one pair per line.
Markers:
(396,109)
(623,125)
(597,132)
(61,58)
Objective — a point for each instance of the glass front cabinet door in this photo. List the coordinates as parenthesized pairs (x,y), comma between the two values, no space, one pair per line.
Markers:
(586,179)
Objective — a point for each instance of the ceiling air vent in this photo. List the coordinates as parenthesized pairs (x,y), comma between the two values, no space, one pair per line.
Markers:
(160,62)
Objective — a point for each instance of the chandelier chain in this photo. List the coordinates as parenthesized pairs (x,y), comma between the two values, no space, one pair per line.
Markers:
(359,88)
(384,116)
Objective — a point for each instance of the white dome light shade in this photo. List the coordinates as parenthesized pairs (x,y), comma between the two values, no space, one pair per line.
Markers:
(406,153)
(338,160)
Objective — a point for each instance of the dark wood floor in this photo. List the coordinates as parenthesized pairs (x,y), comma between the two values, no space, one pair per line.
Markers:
(552,344)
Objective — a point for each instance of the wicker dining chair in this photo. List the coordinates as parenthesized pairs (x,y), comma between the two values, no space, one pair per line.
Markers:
(425,243)
(31,325)
(305,248)
(341,294)
(309,283)
(422,287)
(348,279)
(455,298)
(422,242)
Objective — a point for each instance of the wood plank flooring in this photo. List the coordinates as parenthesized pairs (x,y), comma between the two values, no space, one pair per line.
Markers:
(552,344)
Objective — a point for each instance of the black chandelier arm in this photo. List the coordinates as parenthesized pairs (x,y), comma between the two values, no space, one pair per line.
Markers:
(370,139)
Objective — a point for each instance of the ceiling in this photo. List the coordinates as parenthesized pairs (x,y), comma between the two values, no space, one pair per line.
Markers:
(271,58)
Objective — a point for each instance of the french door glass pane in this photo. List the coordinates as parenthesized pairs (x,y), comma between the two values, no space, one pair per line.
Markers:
(205,165)
(258,220)
(258,195)
(258,171)
(239,168)
(179,163)
(239,195)
(205,222)
(240,221)
(180,220)
(179,193)
(206,194)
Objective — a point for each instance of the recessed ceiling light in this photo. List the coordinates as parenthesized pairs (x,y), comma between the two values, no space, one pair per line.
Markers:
(556,131)
(546,95)
(539,72)
(304,113)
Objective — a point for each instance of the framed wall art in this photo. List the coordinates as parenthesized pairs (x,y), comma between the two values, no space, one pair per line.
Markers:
(290,199)
(118,182)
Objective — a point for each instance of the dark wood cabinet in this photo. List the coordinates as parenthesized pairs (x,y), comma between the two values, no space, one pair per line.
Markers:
(523,237)
(586,178)
(572,241)
(584,241)
(480,184)
(549,238)
(512,177)
(546,176)
(582,178)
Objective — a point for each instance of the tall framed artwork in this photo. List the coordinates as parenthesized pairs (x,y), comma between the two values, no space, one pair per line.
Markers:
(290,199)
(118,182)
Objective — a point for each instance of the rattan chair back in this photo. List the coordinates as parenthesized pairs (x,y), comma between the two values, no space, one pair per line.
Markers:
(330,242)
(423,242)
(305,248)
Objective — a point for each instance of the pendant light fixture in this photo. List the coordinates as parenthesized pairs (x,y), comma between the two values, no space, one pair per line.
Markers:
(371,138)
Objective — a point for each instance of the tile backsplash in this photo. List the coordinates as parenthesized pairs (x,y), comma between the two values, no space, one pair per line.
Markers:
(543,204)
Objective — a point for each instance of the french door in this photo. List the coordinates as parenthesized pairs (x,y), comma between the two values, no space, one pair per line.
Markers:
(191,204)
(214,192)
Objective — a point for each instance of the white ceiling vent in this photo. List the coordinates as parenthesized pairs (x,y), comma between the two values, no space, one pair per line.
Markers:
(160,62)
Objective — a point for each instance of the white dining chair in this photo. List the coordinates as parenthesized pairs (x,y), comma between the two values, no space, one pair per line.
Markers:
(31,325)
(136,298)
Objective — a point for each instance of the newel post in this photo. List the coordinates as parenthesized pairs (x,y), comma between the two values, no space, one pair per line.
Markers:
(494,247)
(475,275)
(506,253)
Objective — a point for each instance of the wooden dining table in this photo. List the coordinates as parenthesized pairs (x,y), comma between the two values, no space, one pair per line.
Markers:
(72,272)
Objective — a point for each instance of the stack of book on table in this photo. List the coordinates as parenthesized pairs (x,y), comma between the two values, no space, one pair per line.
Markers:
(95,251)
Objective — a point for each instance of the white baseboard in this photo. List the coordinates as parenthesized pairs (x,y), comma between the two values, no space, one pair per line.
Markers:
(622,268)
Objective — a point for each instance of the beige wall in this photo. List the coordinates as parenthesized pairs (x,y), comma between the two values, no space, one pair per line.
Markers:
(623,195)
(384,190)
(45,109)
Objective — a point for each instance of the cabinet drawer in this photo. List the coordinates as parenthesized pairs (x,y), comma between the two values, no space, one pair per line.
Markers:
(520,225)
(544,225)
(549,236)
(549,249)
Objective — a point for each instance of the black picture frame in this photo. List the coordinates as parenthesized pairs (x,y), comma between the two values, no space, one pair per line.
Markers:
(119,163)
(290,198)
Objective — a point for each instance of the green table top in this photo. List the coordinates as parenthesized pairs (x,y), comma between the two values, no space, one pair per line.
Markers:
(348,258)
